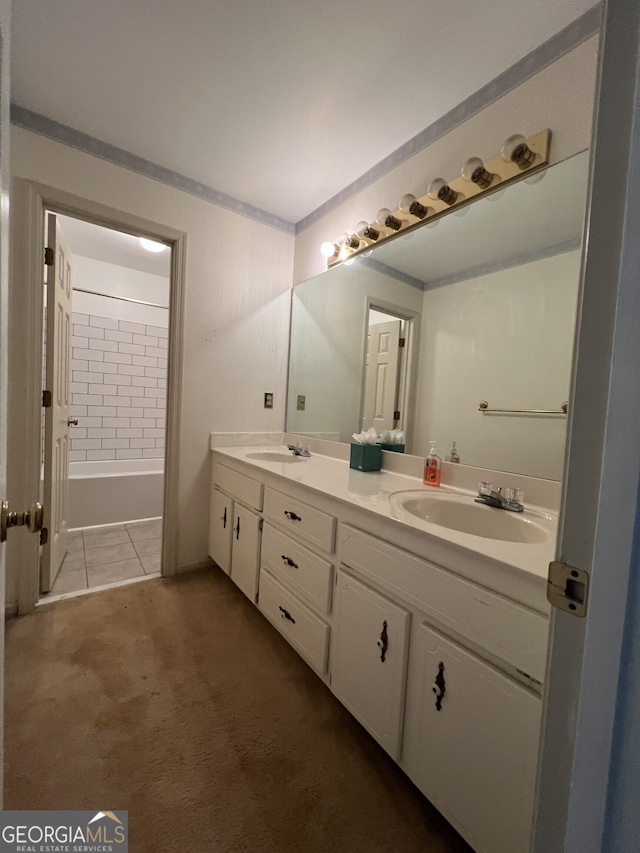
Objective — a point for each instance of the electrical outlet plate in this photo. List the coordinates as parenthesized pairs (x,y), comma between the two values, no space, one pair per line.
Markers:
(301,402)
(268,400)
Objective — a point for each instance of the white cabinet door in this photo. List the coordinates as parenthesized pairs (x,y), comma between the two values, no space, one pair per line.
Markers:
(220,529)
(245,551)
(369,654)
(471,743)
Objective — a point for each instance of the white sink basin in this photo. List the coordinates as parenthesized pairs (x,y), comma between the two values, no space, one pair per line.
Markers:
(461,513)
(274,456)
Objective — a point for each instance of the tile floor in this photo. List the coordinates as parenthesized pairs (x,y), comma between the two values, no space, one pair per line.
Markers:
(107,555)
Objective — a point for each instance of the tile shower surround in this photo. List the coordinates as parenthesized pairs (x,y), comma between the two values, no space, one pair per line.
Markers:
(118,389)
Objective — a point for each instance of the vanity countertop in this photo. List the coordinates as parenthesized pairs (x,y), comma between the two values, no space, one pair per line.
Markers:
(371,490)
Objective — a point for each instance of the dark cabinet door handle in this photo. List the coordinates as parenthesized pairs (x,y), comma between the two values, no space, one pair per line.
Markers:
(440,687)
(286,615)
(291,515)
(224,519)
(289,562)
(238,528)
(383,642)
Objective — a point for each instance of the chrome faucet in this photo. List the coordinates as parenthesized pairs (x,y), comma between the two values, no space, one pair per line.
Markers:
(510,500)
(299,449)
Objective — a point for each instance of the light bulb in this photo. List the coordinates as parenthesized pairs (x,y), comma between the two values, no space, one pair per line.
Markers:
(410,204)
(328,250)
(439,190)
(475,172)
(152,245)
(366,231)
(349,241)
(515,150)
(386,219)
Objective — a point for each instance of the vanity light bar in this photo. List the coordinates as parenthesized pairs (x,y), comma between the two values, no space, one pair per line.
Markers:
(519,155)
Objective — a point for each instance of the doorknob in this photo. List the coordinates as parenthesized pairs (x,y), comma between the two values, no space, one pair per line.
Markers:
(72,422)
(31,519)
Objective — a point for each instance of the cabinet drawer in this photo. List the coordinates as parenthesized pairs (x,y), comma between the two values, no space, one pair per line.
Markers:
(246,490)
(306,632)
(505,629)
(305,521)
(305,573)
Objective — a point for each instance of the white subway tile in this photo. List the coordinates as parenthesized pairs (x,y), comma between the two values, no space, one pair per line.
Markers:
(115,443)
(84,376)
(143,422)
(161,393)
(118,400)
(87,444)
(103,322)
(142,442)
(77,455)
(100,454)
(105,366)
(150,413)
(128,412)
(135,391)
(162,383)
(118,357)
(136,328)
(102,432)
(161,422)
(80,331)
(102,411)
(77,410)
(81,319)
(145,360)
(116,422)
(117,379)
(90,422)
(163,362)
(78,432)
(158,372)
(134,349)
(129,453)
(78,387)
(153,453)
(145,340)
(131,369)
(80,364)
(88,354)
(87,399)
(159,353)
(121,337)
(153,433)
(105,346)
(163,343)
(125,432)
(160,442)
(144,381)
(158,331)
(100,388)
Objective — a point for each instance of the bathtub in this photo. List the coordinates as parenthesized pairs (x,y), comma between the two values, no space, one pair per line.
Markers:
(115,491)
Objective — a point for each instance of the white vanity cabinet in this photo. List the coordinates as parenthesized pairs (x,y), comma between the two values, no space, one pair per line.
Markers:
(369,659)
(235,528)
(471,742)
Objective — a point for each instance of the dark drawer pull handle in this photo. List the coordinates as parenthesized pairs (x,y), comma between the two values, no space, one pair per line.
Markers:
(286,615)
(291,515)
(289,562)
(238,528)
(224,519)
(440,687)
(383,642)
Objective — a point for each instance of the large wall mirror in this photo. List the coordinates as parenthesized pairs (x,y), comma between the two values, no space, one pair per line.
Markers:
(477,306)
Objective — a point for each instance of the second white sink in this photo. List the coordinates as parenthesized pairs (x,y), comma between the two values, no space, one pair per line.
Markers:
(461,513)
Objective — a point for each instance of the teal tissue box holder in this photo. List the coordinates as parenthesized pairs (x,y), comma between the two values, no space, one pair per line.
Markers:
(366,457)
(396,448)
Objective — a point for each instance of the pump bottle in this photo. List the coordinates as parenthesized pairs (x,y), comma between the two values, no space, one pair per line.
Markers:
(432,467)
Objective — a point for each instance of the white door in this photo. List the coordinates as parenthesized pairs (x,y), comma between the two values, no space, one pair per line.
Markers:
(381,377)
(57,416)
(245,551)
(220,529)
(369,656)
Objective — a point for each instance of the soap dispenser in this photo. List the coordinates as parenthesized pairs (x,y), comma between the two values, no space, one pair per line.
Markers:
(432,467)
(452,455)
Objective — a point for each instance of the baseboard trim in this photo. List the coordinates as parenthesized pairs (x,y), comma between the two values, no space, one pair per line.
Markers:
(181,568)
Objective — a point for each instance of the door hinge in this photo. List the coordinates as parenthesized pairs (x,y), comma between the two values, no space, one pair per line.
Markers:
(402,342)
(44,535)
(47,399)
(396,415)
(49,257)
(568,588)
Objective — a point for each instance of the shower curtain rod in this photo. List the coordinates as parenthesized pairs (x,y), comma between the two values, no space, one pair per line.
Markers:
(121,298)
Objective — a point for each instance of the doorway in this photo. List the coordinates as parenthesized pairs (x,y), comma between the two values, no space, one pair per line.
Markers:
(105,359)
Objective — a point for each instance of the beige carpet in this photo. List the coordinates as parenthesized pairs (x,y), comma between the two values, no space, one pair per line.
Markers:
(175,699)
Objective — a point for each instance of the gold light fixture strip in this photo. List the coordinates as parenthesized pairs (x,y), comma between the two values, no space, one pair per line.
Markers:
(498,173)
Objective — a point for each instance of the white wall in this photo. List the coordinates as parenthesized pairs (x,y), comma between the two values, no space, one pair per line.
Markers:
(238,277)
(560,97)
(505,337)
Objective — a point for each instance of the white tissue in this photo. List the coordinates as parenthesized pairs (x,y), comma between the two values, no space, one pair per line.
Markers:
(368,437)
(392,436)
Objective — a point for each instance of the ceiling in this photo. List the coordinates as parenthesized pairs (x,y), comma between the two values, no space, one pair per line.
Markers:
(280,104)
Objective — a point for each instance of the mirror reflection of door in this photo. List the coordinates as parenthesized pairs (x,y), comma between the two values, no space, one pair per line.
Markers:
(382,372)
